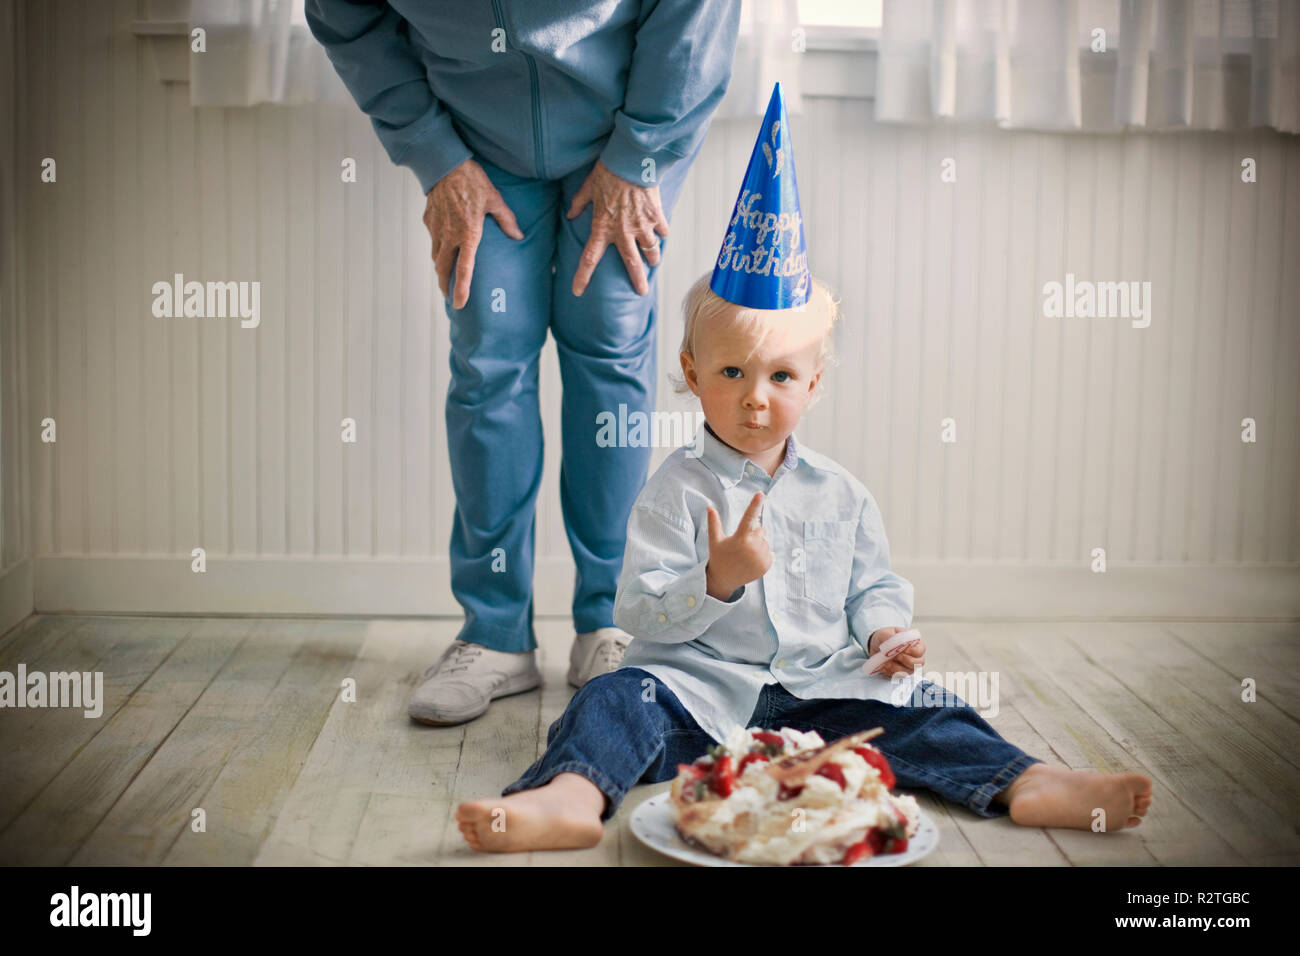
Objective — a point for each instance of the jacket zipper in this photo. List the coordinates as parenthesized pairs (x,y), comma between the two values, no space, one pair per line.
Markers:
(533,89)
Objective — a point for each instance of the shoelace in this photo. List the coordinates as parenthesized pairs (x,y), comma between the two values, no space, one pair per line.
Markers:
(462,655)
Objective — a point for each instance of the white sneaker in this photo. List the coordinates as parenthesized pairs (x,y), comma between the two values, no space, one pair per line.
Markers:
(467,677)
(596,652)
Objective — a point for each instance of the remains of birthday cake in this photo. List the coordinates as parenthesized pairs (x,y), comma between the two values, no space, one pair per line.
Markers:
(789,797)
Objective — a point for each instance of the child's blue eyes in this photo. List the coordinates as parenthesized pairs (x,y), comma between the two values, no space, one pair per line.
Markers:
(785,376)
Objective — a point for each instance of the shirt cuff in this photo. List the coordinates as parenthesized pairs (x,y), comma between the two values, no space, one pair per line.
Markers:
(430,168)
(873,619)
(625,159)
(687,605)
(435,152)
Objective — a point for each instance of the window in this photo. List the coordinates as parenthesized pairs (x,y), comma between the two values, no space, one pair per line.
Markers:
(844,26)
(861,14)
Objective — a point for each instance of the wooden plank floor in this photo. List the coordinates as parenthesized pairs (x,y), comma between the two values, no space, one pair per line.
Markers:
(245,720)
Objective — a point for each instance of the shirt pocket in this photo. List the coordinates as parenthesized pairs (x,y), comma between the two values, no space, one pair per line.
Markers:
(828,561)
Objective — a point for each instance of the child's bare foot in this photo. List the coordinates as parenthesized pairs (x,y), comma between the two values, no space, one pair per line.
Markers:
(1046,796)
(562,815)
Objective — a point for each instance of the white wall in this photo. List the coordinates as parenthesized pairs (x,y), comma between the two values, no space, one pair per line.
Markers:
(16,594)
(1072,433)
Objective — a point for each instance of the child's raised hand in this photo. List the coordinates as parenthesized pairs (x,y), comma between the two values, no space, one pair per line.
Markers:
(743,557)
(903,663)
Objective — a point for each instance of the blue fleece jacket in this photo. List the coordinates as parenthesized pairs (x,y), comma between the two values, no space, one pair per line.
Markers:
(537,87)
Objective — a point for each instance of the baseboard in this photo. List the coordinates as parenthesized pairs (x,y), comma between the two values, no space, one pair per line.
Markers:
(17,597)
(1200,591)
(146,584)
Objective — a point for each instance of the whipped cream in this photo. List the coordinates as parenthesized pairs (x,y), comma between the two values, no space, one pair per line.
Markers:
(757,823)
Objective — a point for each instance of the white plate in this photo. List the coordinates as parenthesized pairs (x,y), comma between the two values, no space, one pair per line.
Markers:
(652,822)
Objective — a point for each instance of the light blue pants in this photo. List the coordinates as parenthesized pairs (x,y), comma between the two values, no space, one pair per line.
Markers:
(606,340)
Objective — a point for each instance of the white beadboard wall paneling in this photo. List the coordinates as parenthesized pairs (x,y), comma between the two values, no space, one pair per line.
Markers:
(11,542)
(1282,517)
(1247,536)
(1195,520)
(1072,434)
(360,321)
(152,436)
(1160,223)
(211,345)
(325,323)
(65,274)
(132,196)
(1051,455)
(97,325)
(276,229)
(16,577)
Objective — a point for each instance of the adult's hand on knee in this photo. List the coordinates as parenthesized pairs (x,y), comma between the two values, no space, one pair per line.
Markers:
(625,214)
(453,214)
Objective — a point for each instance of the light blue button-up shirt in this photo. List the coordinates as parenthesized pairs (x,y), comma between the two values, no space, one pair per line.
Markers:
(805,623)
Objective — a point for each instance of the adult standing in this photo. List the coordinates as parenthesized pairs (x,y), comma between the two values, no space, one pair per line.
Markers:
(542,133)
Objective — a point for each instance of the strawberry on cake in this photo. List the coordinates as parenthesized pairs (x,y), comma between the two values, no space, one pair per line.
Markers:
(789,797)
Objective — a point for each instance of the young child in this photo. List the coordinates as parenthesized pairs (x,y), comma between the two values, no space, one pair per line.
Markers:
(725,634)
(756,582)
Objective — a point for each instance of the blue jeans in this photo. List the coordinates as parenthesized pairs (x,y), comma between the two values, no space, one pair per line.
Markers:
(606,342)
(626,728)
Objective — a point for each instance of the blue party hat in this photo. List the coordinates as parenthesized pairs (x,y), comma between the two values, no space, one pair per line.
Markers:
(763,263)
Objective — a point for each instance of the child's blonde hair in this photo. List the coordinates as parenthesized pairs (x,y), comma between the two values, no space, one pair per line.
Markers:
(703,306)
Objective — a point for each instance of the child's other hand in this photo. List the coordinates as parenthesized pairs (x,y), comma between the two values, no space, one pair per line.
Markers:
(743,557)
(905,662)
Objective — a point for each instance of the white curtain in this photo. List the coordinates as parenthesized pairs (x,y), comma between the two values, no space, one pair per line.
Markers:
(1039,64)
(765,53)
(261,51)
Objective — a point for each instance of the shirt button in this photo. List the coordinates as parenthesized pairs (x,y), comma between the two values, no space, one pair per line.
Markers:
(690,600)
(780,662)
(663,617)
